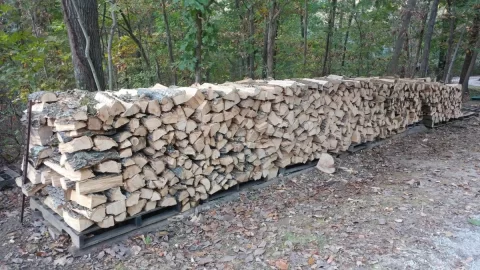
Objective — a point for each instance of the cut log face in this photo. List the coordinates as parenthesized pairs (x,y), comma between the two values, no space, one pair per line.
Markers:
(109,166)
(79,175)
(100,183)
(161,146)
(89,201)
(116,208)
(103,143)
(78,144)
(76,221)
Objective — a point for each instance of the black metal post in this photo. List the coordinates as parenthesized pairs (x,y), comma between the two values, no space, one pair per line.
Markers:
(25,161)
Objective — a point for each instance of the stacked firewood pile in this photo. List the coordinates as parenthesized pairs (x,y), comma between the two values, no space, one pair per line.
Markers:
(102,157)
(441,102)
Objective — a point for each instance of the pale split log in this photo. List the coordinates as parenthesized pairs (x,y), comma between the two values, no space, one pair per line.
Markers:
(132,198)
(115,194)
(116,208)
(75,145)
(109,166)
(137,208)
(76,221)
(79,175)
(99,183)
(134,183)
(96,214)
(107,222)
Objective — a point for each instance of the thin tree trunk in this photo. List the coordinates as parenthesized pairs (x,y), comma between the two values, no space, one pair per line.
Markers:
(102,28)
(362,45)
(331,24)
(251,38)
(111,71)
(451,36)
(471,67)
(198,47)
(169,44)
(265,48)
(448,76)
(473,33)
(272,33)
(350,18)
(157,70)
(428,38)
(420,42)
(407,15)
(81,19)
(131,34)
(305,36)
(442,54)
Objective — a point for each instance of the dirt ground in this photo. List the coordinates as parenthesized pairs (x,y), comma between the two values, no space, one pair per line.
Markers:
(411,203)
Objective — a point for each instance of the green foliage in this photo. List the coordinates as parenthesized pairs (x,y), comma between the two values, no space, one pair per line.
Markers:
(475,222)
(34,47)
(147,240)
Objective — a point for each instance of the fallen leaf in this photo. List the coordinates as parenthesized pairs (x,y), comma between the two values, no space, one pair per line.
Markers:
(281,264)
(399,220)
(330,259)
(60,261)
(311,261)
(136,250)
(205,260)
(227,259)
(259,252)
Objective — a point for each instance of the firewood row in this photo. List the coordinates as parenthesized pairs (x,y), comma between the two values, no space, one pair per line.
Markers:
(441,102)
(99,158)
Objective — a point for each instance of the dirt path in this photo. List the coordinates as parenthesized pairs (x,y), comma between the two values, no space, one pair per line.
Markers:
(412,203)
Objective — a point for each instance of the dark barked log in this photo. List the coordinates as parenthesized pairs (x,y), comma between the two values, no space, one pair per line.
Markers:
(83,159)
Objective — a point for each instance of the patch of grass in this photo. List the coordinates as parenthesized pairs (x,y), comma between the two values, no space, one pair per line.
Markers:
(474,90)
(300,239)
(147,240)
(475,222)
(120,266)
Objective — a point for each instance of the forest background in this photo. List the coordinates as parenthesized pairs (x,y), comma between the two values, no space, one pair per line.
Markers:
(134,44)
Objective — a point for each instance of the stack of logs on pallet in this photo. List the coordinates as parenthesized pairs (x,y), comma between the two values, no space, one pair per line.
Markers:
(102,157)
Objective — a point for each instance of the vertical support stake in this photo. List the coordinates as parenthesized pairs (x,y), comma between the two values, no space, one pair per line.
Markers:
(25,161)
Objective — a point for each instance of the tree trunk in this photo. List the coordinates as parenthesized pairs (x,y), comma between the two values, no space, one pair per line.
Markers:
(111,70)
(265,49)
(305,34)
(251,38)
(471,67)
(451,35)
(272,33)
(88,14)
(442,50)
(198,47)
(428,38)
(331,24)
(169,43)
(131,34)
(448,76)
(473,32)
(407,15)
(350,18)
(415,63)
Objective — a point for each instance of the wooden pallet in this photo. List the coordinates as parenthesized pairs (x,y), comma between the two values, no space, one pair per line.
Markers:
(427,121)
(233,191)
(297,167)
(96,235)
